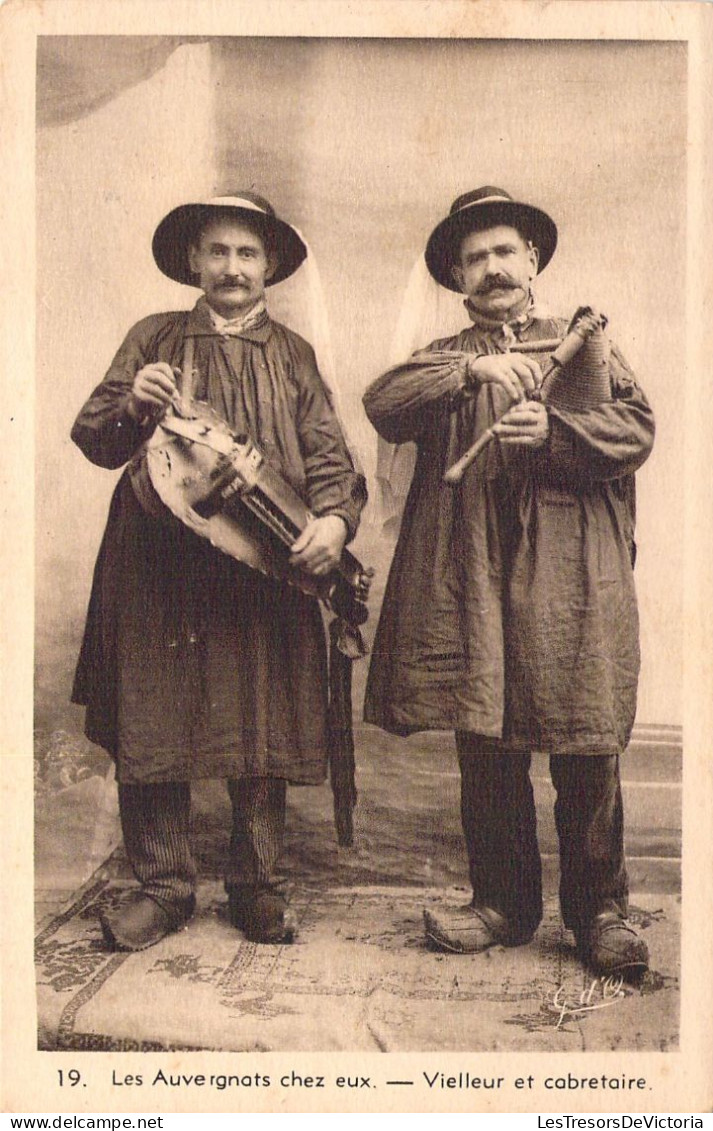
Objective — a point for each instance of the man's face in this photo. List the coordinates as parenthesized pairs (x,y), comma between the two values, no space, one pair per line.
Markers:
(232,267)
(496,268)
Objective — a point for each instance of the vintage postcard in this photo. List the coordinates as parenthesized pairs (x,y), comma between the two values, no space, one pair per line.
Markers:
(228,228)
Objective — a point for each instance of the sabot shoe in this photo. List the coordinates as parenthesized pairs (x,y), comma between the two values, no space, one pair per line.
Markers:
(143,921)
(611,945)
(469,930)
(262,914)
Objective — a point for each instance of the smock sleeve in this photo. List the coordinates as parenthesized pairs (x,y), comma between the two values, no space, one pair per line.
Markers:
(104,430)
(333,483)
(604,442)
(406,400)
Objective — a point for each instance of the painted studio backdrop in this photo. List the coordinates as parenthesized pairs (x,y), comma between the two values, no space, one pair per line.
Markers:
(362,144)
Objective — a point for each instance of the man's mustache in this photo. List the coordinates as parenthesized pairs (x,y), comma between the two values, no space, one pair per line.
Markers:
(496,283)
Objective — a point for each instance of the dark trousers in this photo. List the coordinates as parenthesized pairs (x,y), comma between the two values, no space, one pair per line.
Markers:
(155,821)
(499,824)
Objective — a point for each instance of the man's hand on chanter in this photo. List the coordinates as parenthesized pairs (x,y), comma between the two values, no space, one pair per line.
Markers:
(526,423)
(154,388)
(516,374)
(319,547)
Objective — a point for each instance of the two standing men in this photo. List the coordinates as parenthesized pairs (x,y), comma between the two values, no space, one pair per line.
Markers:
(510,614)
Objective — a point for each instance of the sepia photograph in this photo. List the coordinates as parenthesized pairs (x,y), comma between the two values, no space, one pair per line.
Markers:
(361,507)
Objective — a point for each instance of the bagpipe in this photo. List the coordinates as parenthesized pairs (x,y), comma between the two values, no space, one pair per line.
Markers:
(220,485)
(575,377)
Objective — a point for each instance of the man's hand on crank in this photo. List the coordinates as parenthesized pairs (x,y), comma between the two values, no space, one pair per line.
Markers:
(153,390)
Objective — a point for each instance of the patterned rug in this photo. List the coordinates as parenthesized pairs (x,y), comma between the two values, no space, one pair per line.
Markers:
(359,977)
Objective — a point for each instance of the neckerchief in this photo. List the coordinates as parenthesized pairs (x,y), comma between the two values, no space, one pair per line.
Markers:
(234,327)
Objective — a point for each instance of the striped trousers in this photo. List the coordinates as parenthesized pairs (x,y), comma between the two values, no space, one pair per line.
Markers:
(155,821)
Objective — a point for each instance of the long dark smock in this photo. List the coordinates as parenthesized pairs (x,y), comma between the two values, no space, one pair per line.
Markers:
(510,609)
(194,665)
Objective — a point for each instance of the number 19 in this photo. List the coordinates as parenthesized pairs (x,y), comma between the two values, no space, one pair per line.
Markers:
(73,1077)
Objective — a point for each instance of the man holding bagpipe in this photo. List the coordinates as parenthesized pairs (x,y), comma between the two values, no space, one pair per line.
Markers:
(510,614)
(204,652)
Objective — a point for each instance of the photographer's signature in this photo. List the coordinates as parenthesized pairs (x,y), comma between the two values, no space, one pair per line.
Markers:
(599,994)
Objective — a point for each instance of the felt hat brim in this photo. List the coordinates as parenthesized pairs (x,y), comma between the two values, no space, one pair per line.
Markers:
(178,229)
(443,246)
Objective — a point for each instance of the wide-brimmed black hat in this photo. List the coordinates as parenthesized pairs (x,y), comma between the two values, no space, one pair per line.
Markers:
(180,229)
(486,207)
